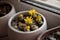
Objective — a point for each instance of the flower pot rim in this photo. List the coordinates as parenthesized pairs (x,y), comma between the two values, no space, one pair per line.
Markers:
(46,33)
(12,7)
(9,23)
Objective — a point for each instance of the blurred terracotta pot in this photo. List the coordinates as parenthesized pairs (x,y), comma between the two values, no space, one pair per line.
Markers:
(48,33)
(19,35)
(4,19)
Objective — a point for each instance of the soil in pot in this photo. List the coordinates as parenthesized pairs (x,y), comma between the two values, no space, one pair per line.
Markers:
(4,9)
(28,21)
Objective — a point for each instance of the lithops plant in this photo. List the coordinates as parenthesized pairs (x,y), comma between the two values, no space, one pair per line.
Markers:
(29,21)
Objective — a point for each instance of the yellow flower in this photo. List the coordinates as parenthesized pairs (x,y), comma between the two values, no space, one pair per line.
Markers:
(32,12)
(27,28)
(29,20)
(38,18)
(21,15)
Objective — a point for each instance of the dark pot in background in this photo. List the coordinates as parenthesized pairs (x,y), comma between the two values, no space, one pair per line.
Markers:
(49,33)
(6,11)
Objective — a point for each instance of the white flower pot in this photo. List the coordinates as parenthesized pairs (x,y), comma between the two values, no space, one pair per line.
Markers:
(4,20)
(19,35)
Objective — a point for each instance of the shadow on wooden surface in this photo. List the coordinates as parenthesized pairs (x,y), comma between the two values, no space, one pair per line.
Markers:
(4,38)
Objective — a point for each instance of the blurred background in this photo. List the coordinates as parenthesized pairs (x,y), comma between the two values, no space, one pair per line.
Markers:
(49,8)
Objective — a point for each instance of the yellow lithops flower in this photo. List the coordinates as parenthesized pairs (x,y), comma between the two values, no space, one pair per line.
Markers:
(29,20)
(32,12)
(27,28)
(38,18)
(21,15)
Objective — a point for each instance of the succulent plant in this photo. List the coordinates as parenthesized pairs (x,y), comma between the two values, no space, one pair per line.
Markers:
(29,21)
(34,27)
(38,18)
(32,12)
(21,17)
(27,28)
(14,24)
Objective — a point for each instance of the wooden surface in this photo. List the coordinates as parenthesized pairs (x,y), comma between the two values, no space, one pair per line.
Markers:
(4,38)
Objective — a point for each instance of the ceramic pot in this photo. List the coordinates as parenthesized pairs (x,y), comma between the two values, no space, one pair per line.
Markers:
(49,34)
(19,35)
(4,19)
